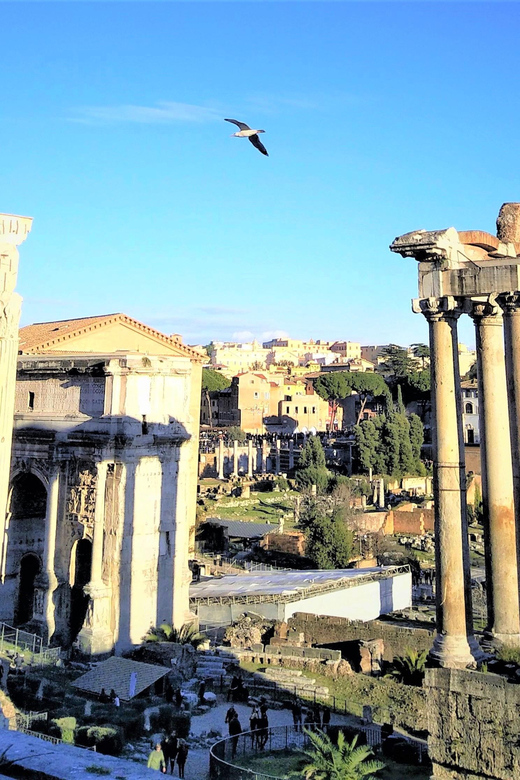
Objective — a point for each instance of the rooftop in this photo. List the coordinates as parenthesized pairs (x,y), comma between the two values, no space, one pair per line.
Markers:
(116,673)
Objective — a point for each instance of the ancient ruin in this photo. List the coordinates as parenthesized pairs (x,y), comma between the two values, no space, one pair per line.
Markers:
(475,273)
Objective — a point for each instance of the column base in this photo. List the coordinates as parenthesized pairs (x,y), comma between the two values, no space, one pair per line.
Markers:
(95,641)
(456,652)
(494,640)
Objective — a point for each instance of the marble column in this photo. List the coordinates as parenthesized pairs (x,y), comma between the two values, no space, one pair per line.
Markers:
(497,475)
(277,464)
(454,644)
(265,451)
(250,465)
(13,232)
(99,524)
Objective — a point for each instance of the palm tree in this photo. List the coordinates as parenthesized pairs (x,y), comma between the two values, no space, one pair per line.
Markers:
(186,635)
(343,761)
(409,668)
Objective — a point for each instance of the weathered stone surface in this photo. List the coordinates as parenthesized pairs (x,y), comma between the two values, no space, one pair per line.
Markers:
(474,722)
(508,223)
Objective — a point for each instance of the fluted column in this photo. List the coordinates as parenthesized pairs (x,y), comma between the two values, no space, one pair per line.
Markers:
(454,644)
(497,475)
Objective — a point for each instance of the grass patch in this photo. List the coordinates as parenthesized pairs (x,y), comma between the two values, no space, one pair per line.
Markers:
(95,769)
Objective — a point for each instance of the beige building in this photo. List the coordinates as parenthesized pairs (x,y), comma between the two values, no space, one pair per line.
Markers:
(234,358)
(103,482)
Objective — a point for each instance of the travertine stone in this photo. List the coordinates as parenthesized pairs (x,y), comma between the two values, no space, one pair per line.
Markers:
(497,475)
(508,223)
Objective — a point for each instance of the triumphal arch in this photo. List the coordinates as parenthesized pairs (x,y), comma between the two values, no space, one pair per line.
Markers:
(99,492)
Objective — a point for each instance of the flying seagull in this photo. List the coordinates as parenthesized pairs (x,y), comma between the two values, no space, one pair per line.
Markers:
(246,132)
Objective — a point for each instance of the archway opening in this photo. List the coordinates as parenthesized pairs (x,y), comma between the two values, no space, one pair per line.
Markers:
(29,569)
(78,598)
(29,498)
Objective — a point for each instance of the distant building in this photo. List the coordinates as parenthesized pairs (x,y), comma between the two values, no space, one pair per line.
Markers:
(470,418)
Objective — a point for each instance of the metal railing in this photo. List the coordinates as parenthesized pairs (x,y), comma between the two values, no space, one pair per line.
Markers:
(17,639)
(228,756)
(53,740)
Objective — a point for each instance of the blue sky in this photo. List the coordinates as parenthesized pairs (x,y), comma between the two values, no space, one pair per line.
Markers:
(380,118)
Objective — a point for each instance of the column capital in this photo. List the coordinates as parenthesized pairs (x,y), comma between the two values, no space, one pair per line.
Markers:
(435,309)
(509,302)
(484,310)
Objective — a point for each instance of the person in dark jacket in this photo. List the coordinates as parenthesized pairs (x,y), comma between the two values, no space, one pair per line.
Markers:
(169,748)
(182,755)
(234,729)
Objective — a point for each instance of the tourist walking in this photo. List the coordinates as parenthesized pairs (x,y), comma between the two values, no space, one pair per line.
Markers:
(169,747)
(156,759)
(202,691)
(263,725)
(296,709)
(230,714)
(234,730)
(182,755)
(233,689)
(325,721)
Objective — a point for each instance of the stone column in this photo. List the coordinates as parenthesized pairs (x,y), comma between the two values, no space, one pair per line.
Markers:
(47,582)
(13,231)
(250,465)
(291,454)
(99,523)
(277,464)
(497,475)
(235,458)
(221,459)
(265,451)
(510,303)
(454,644)
(96,636)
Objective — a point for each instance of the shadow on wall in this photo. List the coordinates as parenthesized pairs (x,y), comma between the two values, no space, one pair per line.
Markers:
(386,595)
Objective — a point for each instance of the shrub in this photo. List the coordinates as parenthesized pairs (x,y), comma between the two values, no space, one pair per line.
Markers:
(106,739)
(281,483)
(168,719)
(67,727)
(46,727)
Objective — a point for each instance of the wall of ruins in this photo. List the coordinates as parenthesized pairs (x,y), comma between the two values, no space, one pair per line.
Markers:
(473,722)
(323,630)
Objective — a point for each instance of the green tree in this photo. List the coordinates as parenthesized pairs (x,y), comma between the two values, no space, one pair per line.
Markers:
(417,440)
(341,761)
(332,387)
(235,433)
(328,542)
(422,352)
(312,468)
(366,385)
(396,363)
(390,444)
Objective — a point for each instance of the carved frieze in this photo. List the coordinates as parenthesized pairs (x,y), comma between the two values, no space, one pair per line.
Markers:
(81,494)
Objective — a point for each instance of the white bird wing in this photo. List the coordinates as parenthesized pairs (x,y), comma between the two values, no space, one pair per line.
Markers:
(259,145)
(241,125)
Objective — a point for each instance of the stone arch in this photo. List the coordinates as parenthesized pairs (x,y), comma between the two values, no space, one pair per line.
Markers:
(468,408)
(30,567)
(28,496)
(80,574)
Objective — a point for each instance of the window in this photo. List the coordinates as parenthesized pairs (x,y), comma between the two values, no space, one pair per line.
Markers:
(314,410)
(256,395)
(469,408)
(31,401)
(296,410)
(287,410)
(305,410)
